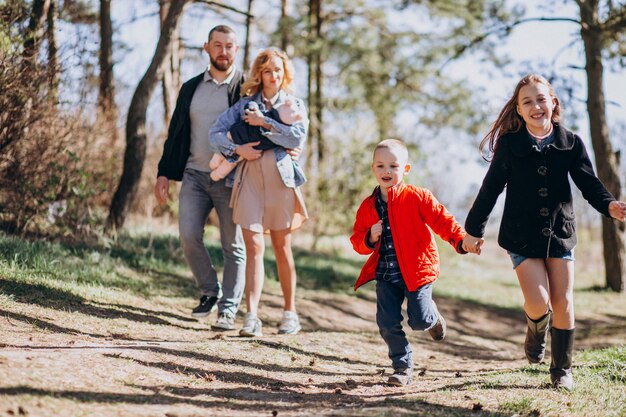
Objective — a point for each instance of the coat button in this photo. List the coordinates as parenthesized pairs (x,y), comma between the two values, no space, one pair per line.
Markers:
(546,231)
(543,192)
(544,212)
(542,170)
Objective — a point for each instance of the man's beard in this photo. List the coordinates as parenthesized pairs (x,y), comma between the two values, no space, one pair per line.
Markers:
(221,66)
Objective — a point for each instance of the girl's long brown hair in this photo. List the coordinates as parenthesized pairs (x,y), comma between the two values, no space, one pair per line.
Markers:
(254,82)
(509,120)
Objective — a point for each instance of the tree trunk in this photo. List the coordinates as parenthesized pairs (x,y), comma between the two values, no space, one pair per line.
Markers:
(35,33)
(606,160)
(283,27)
(246,45)
(135,152)
(53,62)
(171,75)
(314,84)
(106,96)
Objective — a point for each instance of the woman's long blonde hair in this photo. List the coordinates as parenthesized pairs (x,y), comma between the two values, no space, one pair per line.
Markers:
(509,120)
(254,82)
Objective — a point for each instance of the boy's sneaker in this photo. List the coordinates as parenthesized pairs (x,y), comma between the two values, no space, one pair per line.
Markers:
(290,323)
(438,331)
(400,377)
(207,304)
(225,321)
(252,326)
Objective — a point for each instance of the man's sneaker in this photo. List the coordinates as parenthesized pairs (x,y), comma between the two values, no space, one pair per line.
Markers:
(290,323)
(400,377)
(438,331)
(225,321)
(252,326)
(207,304)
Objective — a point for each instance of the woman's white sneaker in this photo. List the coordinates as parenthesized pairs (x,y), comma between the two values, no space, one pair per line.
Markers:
(252,326)
(290,323)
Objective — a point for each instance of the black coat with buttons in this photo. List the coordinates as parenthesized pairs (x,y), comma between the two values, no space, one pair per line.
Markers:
(538,219)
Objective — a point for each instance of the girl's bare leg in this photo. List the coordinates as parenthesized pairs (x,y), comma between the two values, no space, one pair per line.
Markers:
(561,278)
(532,275)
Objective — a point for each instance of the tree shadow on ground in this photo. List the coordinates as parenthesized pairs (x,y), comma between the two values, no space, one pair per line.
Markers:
(45,325)
(288,348)
(259,402)
(55,298)
(244,364)
(468,320)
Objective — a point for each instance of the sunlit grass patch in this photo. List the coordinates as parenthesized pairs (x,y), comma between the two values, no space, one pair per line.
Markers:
(606,365)
(599,377)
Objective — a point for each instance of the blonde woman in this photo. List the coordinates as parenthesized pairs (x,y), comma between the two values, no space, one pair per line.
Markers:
(266,195)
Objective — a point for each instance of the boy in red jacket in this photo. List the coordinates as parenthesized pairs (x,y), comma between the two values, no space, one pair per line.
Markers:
(394,225)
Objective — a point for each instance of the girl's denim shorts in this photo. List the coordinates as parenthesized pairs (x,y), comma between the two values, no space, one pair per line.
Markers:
(518,259)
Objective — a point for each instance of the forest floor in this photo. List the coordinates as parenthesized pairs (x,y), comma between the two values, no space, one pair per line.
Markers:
(122,344)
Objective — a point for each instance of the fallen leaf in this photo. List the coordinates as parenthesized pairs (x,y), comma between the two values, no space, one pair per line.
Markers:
(207,377)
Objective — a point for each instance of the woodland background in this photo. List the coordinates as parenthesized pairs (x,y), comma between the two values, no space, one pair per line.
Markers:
(87,88)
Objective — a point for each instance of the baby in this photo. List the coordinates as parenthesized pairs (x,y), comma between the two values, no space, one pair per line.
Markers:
(241,133)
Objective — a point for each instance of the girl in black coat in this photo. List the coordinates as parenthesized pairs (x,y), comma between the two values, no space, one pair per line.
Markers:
(532,156)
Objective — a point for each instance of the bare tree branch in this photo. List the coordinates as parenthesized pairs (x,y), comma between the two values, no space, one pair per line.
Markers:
(218,4)
(503,29)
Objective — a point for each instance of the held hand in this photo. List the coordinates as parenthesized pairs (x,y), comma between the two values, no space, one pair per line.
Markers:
(375,231)
(255,118)
(294,153)
(161,189)
(472,244)
(248,152)
(617,210)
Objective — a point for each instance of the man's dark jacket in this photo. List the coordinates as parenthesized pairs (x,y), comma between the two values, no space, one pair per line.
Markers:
(178,142)
(538,219)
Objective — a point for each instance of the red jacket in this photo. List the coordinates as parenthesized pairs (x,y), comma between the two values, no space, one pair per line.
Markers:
(412,212)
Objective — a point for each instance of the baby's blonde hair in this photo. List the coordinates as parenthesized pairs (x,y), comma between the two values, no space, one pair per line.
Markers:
(393,144)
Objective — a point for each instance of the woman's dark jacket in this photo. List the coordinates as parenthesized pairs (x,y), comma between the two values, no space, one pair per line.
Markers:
(176,147)
(538,219)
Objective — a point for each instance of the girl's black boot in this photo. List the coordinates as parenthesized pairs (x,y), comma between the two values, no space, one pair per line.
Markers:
(536,336)
(561,366)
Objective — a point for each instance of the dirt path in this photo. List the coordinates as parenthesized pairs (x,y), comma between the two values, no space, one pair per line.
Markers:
(93,358)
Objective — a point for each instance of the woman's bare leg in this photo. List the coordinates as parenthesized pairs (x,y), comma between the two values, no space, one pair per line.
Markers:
(281,242)
(255,272)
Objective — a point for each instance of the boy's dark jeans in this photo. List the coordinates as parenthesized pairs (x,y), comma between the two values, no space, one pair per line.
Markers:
(420,309)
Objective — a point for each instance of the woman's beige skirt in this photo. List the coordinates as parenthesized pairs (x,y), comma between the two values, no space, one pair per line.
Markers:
(261,202)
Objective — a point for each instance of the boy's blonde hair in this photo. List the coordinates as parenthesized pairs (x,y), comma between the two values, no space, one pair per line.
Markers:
(393,144)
